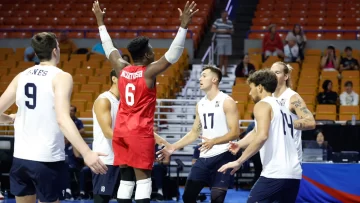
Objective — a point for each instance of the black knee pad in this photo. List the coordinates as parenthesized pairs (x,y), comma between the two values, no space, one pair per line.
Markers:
(127,174)
(101,198)
(218,195)
(123,201)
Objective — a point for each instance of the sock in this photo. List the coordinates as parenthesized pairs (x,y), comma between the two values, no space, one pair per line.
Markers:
(160,191)
(68,191)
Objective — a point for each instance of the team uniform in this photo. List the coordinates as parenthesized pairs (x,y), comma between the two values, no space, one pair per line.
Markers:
(39,156)
(105,184)
(284,100)
(281,174)
(213,121)
(133,139)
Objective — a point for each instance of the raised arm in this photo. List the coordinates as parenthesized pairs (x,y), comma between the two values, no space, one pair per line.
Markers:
(102,108)
(176,47)
(62,85)
(306,119)
(117,62)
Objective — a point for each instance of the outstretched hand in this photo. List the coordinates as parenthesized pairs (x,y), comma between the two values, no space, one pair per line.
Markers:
(165,152)
(187,13)
(206,145)
(99,14)
(234,165)
(233,147)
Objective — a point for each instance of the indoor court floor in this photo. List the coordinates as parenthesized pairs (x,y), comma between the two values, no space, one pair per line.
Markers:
(232,196)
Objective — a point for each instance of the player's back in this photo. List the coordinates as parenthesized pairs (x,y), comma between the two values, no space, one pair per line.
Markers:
(279,155)
(37,133)
(284,100)
(100,142)
(137,104)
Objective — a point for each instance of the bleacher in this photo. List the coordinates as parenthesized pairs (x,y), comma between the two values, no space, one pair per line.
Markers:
(124,19)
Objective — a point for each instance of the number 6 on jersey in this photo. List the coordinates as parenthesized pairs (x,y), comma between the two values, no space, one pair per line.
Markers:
(129,89)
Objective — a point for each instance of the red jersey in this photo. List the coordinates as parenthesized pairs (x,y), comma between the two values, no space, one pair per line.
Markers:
(135,116)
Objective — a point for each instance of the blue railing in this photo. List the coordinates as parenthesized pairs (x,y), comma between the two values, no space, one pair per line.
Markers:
(85,31)
(356,32)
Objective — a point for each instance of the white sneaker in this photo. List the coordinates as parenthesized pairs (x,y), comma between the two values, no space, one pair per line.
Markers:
(1,196)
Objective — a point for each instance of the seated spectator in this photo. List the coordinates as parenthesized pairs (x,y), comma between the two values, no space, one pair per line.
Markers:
(300,39)
(328,96)
(348,62)
(79,124)
(244,68)
(330,62)
(272,44)
(291,51)
(321,144)
(30,56)
(349,97)
(66,44)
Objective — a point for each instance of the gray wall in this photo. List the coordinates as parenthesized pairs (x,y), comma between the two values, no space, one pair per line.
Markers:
(87,43)
(311,44)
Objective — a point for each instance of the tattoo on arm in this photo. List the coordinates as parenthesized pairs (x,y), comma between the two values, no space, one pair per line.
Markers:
(305,110)
(296,103)
(199,128)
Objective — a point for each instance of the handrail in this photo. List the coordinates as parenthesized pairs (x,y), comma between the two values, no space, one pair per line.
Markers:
(307,31)
(85,31)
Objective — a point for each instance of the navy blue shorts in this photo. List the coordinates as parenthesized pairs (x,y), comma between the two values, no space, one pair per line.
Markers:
(268,190)
(108,183)
(45,179)
(206,170)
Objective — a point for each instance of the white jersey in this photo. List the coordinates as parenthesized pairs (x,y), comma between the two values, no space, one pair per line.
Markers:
(279,155)
(101,143)
(37,134)
(284,100)
(213,121)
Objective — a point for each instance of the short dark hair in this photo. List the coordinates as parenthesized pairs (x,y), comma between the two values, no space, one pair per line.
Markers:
(348,83)
(138,47)
(75,109)
(113,73)
(326,84)
(265,78)
(215,70)
(43,44)
(348,48)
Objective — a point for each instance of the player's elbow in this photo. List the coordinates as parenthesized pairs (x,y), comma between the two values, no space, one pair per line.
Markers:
(262,136)
(312,124)
(108,134)
(62,119)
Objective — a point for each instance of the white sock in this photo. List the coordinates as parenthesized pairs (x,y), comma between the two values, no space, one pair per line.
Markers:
(160,191)
(68,191)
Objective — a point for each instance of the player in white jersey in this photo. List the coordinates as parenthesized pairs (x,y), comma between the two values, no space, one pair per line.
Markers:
(104,115)
(300,114)
(272,135)
(42,94)
(217,117)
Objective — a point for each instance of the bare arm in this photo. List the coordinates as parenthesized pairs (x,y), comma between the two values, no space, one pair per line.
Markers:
(262,113)
(9,96)
(306,119)
(245,142)
(232,120)
(190,136)
(159,140)
(4,118)
(102,108)
(323,61)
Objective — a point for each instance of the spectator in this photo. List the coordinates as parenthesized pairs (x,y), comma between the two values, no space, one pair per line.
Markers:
(321,144)
(223,28)
(66,44)
(291,51)
(348,62)
(300,39)
(272,44)
(330,62)
(79,124)
(349,97)
(244,68)
(126,57)
(328,96)
(30,56)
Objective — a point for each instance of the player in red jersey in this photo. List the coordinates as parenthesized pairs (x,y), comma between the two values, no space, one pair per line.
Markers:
(133,138)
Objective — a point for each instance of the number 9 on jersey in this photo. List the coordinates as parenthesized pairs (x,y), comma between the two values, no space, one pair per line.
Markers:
(129,94)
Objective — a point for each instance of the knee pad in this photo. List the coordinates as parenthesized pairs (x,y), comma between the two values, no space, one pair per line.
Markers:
(143,189)
(127,174)
(218,195)
(125,190)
